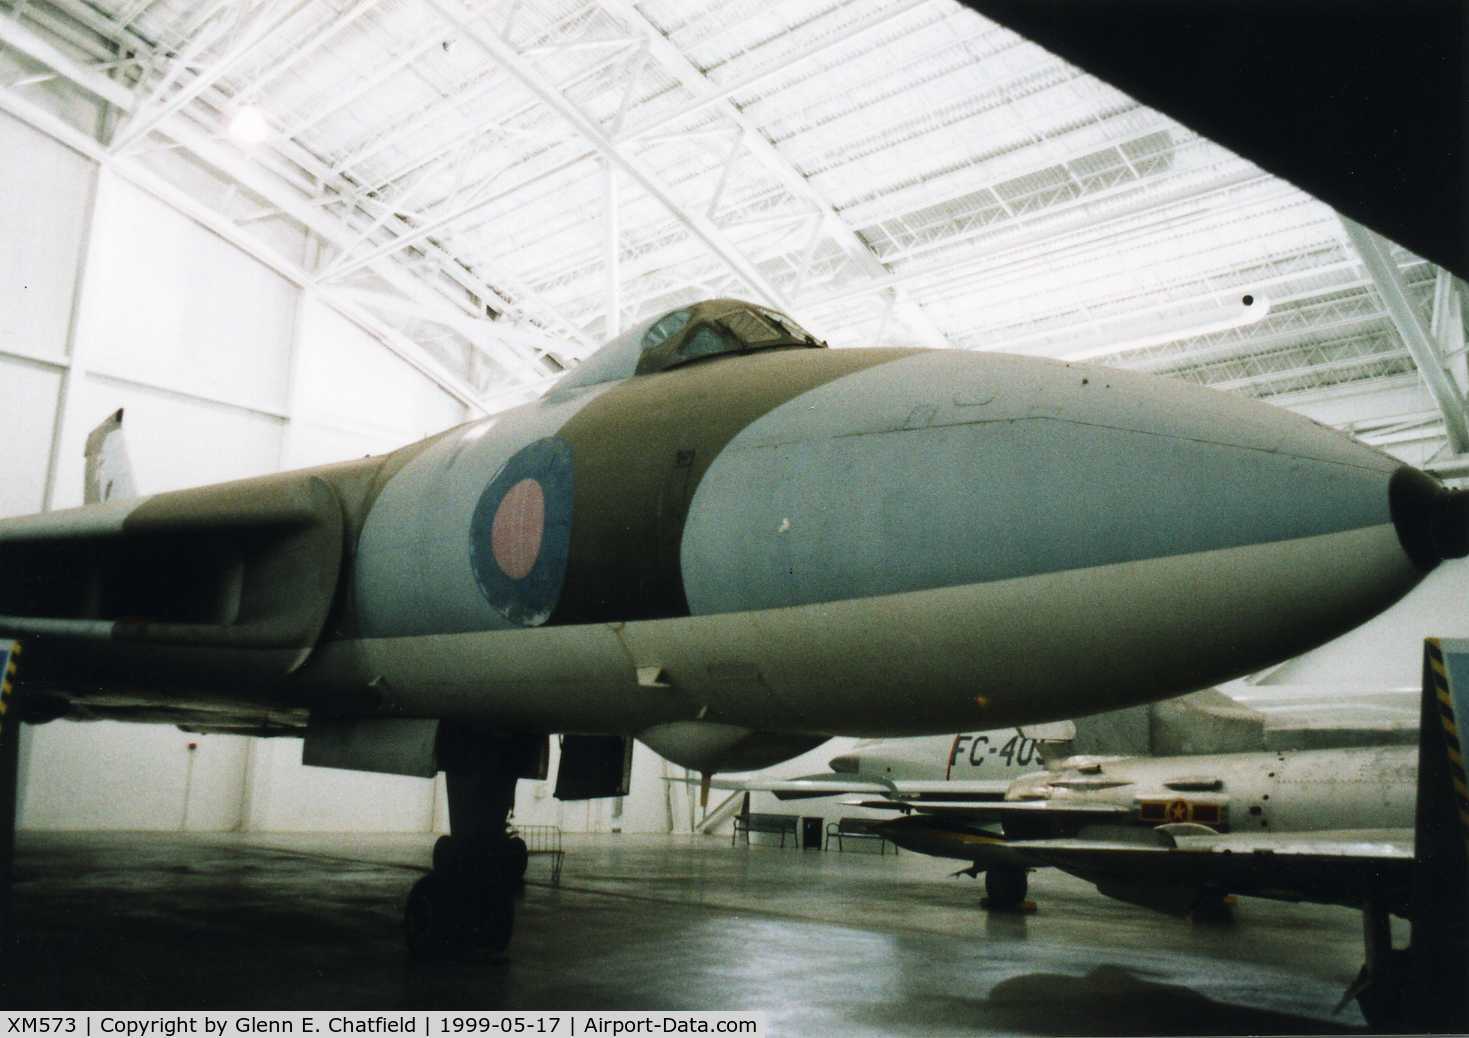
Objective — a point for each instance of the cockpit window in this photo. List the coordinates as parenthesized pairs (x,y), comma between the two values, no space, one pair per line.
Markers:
(695,332)
(753,328)
(669,324)
(717,328)
(791,328)
(705,342)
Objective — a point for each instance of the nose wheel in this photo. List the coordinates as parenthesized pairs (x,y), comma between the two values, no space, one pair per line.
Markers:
(465,906)
(517,856)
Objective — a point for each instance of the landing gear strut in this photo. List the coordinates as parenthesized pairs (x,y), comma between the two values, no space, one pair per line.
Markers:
(466,904)
(1212,909)
(1382,987)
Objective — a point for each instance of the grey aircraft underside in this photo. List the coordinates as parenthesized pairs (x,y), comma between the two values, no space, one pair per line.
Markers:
(726,540)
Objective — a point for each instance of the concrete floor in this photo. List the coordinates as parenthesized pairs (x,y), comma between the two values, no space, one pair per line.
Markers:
(823,943)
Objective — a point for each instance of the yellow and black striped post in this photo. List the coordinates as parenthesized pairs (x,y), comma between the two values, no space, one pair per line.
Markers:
(7,682)
(1440,900)
(1443,702)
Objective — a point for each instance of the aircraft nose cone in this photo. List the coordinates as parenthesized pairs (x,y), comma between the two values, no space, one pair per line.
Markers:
(1432,521)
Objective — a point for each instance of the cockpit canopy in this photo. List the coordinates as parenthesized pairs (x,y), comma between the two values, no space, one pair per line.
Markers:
(717,328)
(712,328)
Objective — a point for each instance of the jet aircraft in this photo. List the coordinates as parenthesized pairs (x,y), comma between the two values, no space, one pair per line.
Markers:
(1175,834)
(725,539)
(1090,804)
(1202,759)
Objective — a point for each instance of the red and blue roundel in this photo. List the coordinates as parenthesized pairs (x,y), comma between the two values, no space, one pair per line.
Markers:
(520,535)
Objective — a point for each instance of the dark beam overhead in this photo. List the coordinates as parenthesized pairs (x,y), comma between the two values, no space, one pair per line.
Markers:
(1362,103)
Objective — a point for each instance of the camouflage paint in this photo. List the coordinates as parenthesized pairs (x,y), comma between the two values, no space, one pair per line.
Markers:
(987,655)
(414,570)
(1002,563)
(951,468)
(641,451)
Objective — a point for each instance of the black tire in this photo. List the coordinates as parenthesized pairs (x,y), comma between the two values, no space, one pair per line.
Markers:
(518,856)
(430,922)
(1006,887)
(495,920)
(445,853)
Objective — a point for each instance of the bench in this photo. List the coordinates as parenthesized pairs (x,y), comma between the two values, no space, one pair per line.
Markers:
(854,829)
(755,822)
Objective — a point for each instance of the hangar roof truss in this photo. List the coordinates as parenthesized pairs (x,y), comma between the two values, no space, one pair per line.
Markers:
(504,184)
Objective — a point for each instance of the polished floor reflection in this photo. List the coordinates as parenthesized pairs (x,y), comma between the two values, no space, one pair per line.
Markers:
(822,943)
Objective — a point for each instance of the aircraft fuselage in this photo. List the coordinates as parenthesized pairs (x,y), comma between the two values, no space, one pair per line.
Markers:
(860,542)
(863,542)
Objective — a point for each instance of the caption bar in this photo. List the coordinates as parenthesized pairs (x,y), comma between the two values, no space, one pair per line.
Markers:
(207,1024)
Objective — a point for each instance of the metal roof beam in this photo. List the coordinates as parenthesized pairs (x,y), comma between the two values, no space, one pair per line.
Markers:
(500,120)
(717,94)
(1447,325)
(1264,379)
(1019,246)
(254,28)
(1152,189)
(131,12)
(198,142)
(1365,340)
(422,117)
(1347,406)
(432,223)
(1378,260)
(131,170)
(476,331)
(755,143)
(1267,312)
(616,42)
(322,176)
(713,238)
(1280,328)
(1314,319)
(381,75)
(308,45)
(613,245)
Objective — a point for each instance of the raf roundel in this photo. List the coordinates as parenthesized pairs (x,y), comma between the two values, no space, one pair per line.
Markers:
(520,535)
(517,529)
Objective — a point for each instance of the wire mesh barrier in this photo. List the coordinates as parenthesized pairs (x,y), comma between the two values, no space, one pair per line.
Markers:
(543,840)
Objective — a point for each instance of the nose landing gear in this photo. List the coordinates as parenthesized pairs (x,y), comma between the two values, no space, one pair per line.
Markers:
(465,906)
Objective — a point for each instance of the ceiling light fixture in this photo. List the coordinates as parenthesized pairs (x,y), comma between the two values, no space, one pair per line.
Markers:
(248,125)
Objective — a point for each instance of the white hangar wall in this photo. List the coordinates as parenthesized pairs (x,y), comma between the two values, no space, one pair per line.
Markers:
(110,298)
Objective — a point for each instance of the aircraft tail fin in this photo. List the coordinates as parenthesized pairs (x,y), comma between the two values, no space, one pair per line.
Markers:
(109,473)
(1207,721)
(1126,732)
(1054,742)
(1116,733)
